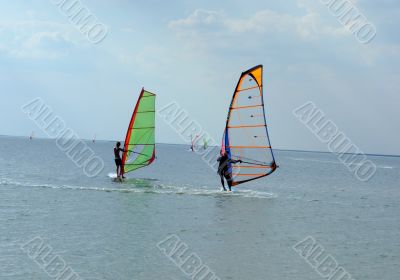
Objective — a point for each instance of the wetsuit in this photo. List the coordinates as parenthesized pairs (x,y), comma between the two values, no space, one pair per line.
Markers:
(118,160)
(223,170)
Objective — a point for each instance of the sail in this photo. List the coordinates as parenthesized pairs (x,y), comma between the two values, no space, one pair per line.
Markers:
(140,138)
(246,135)
(205,143)
(194,140)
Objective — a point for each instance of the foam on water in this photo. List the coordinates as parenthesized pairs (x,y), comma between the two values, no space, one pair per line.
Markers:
(145,186)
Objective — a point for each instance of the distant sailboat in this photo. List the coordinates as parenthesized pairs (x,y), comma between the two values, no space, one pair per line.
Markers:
(31,136)
(94,139)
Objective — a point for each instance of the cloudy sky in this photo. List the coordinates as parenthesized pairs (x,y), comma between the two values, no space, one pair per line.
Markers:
(192,53)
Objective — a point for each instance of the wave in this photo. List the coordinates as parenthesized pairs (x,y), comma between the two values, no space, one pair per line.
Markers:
(150,189)
(336,162)
(214,192)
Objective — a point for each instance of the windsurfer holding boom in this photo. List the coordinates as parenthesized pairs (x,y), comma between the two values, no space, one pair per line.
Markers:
(118,160)
(224,171)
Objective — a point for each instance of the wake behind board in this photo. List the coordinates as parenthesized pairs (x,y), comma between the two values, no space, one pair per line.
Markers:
(136,182)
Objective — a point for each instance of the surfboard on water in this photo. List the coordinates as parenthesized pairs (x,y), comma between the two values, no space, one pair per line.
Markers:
(227,191)
(137,182)
(139,146)
(115,178)
(245,135)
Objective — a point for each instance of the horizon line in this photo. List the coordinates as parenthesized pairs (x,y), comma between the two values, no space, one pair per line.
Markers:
(276,149)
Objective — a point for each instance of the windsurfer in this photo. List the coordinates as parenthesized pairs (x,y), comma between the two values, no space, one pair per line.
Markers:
(118,160)
(224,171)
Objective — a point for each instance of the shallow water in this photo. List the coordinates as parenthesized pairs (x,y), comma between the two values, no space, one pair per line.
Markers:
(108,230)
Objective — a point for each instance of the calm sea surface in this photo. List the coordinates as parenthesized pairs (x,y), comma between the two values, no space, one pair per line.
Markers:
(107,230)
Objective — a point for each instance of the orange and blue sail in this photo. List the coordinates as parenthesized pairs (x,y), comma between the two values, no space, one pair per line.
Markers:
(246,136)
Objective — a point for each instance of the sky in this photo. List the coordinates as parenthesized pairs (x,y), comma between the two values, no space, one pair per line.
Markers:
(192,53)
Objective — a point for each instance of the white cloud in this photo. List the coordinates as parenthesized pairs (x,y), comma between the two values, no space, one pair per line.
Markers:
(308,26)
(377,53)
(37,39)
(148,58)
(128,29)
(198,18)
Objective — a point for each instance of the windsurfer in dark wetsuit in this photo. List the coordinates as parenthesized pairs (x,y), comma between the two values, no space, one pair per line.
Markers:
(118,160)
(224,170)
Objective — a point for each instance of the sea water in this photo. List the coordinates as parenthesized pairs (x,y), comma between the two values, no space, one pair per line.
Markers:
(101,229)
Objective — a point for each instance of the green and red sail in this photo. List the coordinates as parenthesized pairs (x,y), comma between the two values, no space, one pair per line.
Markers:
(140,138)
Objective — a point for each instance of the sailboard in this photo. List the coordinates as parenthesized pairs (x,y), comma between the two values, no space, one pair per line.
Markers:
(245,136)
(139,146)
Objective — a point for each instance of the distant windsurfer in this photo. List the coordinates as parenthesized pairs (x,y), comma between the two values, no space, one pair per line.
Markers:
(205,144)
(193,140)
(118,160)
(224,171)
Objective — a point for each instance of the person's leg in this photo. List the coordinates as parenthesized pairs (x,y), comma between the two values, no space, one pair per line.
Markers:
(229,181)
(222,182)
(120,170)
(118,164)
